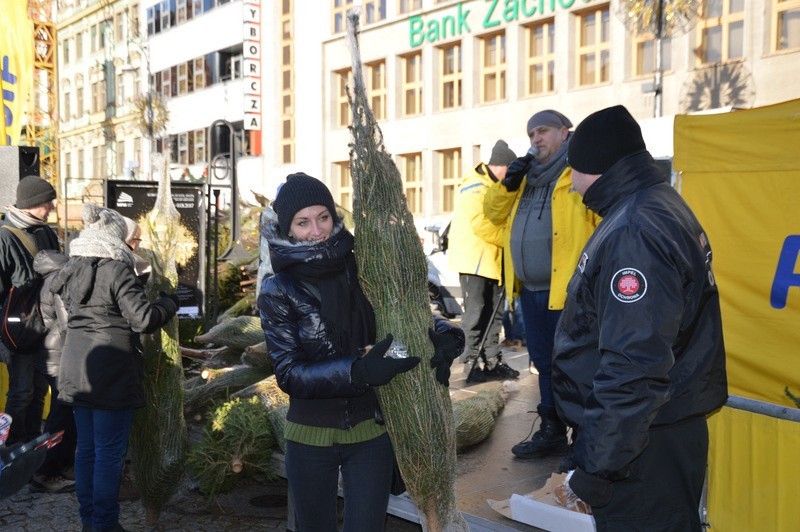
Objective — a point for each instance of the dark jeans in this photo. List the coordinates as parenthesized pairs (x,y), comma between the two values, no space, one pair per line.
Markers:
(313,474)
(62,456)
(513,325)
(664,485)
(27,387)
(540,331)
(482,315)
(102,444)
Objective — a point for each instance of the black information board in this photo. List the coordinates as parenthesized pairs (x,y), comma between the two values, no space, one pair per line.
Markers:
(134,198)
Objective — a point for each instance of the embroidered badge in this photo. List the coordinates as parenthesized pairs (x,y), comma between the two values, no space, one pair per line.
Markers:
(582,262)
(628,285)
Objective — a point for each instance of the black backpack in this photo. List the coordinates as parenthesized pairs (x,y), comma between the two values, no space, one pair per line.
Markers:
(22,328)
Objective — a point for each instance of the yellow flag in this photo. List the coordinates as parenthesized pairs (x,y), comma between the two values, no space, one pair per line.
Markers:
(16,68)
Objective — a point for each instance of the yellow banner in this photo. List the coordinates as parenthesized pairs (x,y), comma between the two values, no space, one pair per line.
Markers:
(16,67)
(752,472)
(740,172)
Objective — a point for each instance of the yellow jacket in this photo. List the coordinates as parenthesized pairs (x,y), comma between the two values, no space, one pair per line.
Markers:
(573,224)
(475,243)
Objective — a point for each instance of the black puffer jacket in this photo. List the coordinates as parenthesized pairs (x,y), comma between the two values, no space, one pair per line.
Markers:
(101,364)
(307,365)
(639,343)
(47,263)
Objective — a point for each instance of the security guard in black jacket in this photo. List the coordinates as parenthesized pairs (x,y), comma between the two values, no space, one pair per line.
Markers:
(639,359)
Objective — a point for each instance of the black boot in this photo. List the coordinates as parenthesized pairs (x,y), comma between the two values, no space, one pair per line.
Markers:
(551,438)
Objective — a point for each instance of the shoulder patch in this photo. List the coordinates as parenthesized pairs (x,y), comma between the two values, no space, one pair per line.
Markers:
(628,285)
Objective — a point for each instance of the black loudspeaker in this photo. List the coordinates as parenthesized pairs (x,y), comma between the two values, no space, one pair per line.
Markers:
(16,162)
(220,140)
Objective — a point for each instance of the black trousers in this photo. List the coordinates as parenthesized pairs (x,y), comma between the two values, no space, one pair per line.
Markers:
(665,484)
(481,313)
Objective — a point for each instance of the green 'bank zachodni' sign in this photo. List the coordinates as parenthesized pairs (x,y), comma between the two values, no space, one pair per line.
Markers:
(445,26)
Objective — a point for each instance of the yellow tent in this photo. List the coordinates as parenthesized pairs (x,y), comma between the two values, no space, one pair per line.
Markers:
(740,172)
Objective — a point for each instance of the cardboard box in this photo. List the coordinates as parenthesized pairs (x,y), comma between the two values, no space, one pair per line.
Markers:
(540,509)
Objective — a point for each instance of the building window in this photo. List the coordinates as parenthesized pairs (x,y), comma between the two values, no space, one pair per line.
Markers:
(182,12)
(411,173)
(183,79)
(67,165)
(493,68)
(119,27)
(374,10)
(199,155)
(376,88)
(594,47)
(344,78)
(644,54)
(98,96)
(541,58)
(120,158)
(786,23)
(721,31)
(345,181)
(93,33)
(404,6)
(450,76)
(79,100)
(411,84)
(133,28)
(79,46)
(183,148)
(199,73)
(67,105)
(98,163)
(449,172)
(339,13)
(137,152)
(81,162)
(66,50)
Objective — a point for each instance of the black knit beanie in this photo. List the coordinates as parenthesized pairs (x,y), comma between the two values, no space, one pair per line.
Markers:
(501,154)
(33,191)
(300,191)
(603,138)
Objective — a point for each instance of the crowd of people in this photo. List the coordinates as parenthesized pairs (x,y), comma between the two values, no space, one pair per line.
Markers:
(595,261)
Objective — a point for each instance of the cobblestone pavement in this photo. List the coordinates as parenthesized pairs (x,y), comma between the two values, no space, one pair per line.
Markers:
(486,471)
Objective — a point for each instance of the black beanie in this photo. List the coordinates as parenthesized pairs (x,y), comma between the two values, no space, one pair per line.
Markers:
(501,154)
(602,139)
(33,191)
(300,191)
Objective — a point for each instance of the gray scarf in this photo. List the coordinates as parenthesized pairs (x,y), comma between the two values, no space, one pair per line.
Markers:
(95,243)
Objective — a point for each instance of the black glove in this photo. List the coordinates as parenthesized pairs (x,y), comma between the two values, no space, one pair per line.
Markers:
(170,303)
(591,489)
(446,348)
(374,369)
(173,297)
(516,172)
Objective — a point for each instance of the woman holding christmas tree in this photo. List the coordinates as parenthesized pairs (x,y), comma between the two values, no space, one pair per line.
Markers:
(318,326)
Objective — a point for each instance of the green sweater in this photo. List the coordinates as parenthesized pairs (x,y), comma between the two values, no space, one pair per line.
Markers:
(325,436)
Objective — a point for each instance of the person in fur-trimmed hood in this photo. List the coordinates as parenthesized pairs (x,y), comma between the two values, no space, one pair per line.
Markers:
(101,363)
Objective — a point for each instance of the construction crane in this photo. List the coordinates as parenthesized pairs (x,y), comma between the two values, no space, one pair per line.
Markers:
(42,125)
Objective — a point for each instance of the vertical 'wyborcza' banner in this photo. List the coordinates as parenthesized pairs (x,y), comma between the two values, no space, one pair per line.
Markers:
(16,68)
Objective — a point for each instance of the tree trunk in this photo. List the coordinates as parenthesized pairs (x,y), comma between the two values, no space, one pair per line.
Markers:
(393,273)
